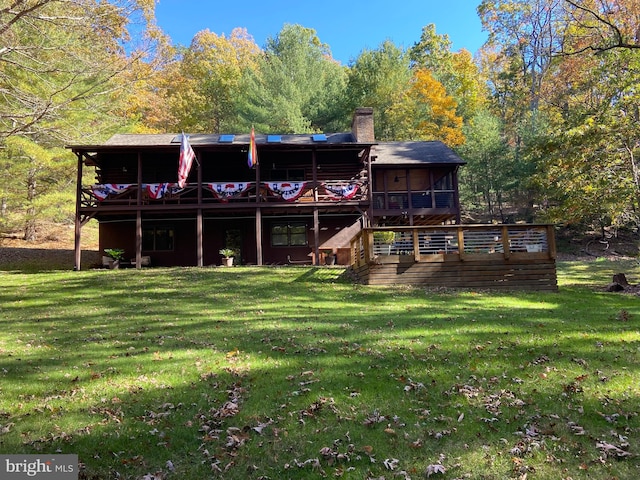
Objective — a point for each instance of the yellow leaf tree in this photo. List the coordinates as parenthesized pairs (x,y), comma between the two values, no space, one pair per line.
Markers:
(426,112)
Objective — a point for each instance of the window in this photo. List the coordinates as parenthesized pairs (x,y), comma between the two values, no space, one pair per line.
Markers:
(289,235)
(157,238)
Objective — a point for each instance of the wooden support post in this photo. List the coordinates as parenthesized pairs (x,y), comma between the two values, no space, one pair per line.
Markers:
(461,243)
(258,236)
(551,242)
(139,214)
(506,247)
(416,245)
(199,239)
(368,245)
(199,221)
(78,222)
(138,238)
(316,235)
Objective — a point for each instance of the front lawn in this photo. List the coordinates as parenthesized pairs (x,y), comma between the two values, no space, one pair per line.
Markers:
(293,372)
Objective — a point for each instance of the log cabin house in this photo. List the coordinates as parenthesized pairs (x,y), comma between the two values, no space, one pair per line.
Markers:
(306,200)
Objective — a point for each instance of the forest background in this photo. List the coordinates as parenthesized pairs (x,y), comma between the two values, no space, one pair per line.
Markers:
(546,112)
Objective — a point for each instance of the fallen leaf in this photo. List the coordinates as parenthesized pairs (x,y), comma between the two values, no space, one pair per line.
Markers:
(436,468)
(391,463)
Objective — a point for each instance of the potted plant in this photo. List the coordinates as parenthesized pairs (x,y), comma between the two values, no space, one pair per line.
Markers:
(114,257)
(382,241)
(227,256)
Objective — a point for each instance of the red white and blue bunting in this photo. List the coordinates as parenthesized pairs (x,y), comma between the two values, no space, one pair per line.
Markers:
(225,191)
(341,191)
(102,190)
(159,190)
(289,191)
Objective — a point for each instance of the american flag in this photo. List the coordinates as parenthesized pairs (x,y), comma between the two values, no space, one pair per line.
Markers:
(186,159)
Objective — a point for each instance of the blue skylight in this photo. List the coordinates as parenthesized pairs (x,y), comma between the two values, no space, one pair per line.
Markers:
(319,137)
(274,138)
(226,138)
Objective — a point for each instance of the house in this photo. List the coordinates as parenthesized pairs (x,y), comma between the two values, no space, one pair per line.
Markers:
(305,193)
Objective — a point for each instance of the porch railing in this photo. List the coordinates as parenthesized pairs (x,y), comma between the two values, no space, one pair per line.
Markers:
(452,243)
(223,192)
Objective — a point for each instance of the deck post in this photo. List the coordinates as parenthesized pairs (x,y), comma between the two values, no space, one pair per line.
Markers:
(416,245)
(551,242)
(138,239)
(461,251)
(199,221)
(506,249)
(199,241)
(78,223)
(258,236)
(316,236)
(139,214)
(368,245)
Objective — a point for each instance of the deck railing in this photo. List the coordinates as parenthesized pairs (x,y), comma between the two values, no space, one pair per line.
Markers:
(452,243)
(223,192)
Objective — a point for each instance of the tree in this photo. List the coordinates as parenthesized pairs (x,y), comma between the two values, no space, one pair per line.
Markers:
(592,171)
(488,177)
(296,87)
(59,57)
(601,25)
(456,71)
(518,61)
(211,71)
(377,79)
(60,62)
(526,31)
(426,112)
(33,180)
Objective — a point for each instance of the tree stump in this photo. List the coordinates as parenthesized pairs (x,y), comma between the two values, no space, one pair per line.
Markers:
(621,279)
(619,283)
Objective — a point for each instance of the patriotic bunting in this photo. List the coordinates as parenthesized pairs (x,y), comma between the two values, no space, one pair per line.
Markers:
(159,190)
(341,191)
(103,190)
(289,191)
(227,190)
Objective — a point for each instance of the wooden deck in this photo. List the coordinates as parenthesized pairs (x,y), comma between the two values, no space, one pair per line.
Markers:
(458,256)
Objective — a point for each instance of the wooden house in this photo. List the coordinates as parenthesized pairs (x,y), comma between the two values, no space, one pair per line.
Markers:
(304,200)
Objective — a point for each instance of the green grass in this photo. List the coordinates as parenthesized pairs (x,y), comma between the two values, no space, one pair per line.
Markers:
(296,373)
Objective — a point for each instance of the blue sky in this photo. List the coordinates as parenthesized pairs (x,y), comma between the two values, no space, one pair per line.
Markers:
(347,26)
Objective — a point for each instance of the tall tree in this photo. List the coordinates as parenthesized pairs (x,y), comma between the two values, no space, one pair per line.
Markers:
(518,60)
(59,65)
(377,79)
(591,169)
(526,31)
(59,57)
(211,69)
(601,25)
(296,87)
(426,112)
(488,178)
(43,174)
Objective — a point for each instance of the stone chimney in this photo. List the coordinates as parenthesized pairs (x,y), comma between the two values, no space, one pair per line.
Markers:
(362,125)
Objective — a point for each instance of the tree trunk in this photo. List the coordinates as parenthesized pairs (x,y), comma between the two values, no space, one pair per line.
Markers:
(30,222)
